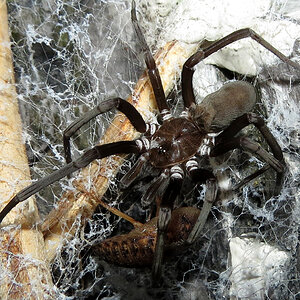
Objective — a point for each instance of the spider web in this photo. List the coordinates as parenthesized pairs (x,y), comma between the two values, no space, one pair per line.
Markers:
(71,55)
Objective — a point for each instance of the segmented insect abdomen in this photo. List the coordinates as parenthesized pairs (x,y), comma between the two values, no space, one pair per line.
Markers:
(134,249)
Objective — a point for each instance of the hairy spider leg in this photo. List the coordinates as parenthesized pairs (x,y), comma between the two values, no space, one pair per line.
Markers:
(122,105)
(209,200)
(164,216)
(188,67)
(226,142)
(200,175)
(97,152)
(153,72)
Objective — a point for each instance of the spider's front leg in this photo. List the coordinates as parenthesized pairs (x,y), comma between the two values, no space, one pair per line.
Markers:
(153,72)
(115,103)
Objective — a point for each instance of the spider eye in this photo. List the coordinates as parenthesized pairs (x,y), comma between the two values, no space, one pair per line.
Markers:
(162,149)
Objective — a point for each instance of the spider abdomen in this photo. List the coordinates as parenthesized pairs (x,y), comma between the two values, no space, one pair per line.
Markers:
(174,142)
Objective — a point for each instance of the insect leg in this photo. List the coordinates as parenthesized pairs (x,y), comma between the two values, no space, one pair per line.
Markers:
(114,210)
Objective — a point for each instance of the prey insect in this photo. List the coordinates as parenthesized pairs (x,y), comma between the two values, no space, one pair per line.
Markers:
(176,147)
(137,248)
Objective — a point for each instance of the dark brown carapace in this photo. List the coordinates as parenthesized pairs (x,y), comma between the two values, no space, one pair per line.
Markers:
(136,248)
(175,142)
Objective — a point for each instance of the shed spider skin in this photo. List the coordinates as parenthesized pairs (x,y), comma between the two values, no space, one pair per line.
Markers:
(176,147)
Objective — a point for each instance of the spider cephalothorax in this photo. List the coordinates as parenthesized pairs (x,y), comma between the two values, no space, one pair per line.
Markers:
(207,129)
(175,142)
(178,139)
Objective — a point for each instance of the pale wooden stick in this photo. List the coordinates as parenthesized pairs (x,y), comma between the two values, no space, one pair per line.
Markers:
(25,271)
(60,223)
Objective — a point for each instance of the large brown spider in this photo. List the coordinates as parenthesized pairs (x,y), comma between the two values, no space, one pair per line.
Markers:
(208,129)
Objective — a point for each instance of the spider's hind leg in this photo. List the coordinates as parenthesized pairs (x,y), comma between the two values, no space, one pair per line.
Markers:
(225,142)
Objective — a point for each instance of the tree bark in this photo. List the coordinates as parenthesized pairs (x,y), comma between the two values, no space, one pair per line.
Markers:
(25,270)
